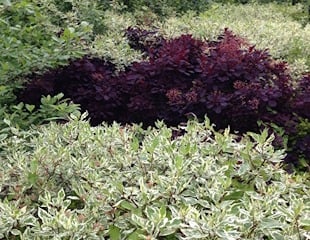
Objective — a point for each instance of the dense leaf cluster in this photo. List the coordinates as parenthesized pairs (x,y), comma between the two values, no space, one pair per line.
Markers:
(144,40)
(300,141)
(302,99)
(88,82)
(230,81)
(164,7)
(74,181)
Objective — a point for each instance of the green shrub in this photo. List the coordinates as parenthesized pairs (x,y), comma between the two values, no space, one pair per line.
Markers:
(113,45)
(263,25)
(39,35)
(23,116)
(29,43)
(29,40)
(73,13)
(165,7)
(302,14)
(74,181)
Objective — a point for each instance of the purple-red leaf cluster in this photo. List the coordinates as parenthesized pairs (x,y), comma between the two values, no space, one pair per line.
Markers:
(229,80)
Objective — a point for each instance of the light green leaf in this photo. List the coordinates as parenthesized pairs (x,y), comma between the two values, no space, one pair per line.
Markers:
(136,235)
(162,211)
(34,165)
(7,122)
(141,222)
(170,227)
(3,136)
(32,178)
(135,144)
(151,213)
(236,195)
(114,233)
(127,205)
(15,232)
(178,162)
(61,195)
(305,223)
(277,236)
(268,223)
(29,107)
(29,220)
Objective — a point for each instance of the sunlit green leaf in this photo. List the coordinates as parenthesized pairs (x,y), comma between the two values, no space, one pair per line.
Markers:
(114,233)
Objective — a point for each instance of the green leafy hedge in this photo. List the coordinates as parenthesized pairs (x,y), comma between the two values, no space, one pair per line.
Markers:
(31,42)
(74,181)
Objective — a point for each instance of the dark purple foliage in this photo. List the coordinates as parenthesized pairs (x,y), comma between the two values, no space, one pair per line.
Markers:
(228,80)
(161,87)
(301,104)
(145,41)
(299,144)
(88,82)
(304,146)
(299,149)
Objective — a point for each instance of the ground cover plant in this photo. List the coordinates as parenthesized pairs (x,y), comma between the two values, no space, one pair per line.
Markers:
(74,181)
(229,80)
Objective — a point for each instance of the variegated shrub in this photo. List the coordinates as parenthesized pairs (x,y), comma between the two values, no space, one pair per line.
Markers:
(74,181)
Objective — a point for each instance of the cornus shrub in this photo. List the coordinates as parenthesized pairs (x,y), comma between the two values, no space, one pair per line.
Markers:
(156,86)
(74,181)
(230,81)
